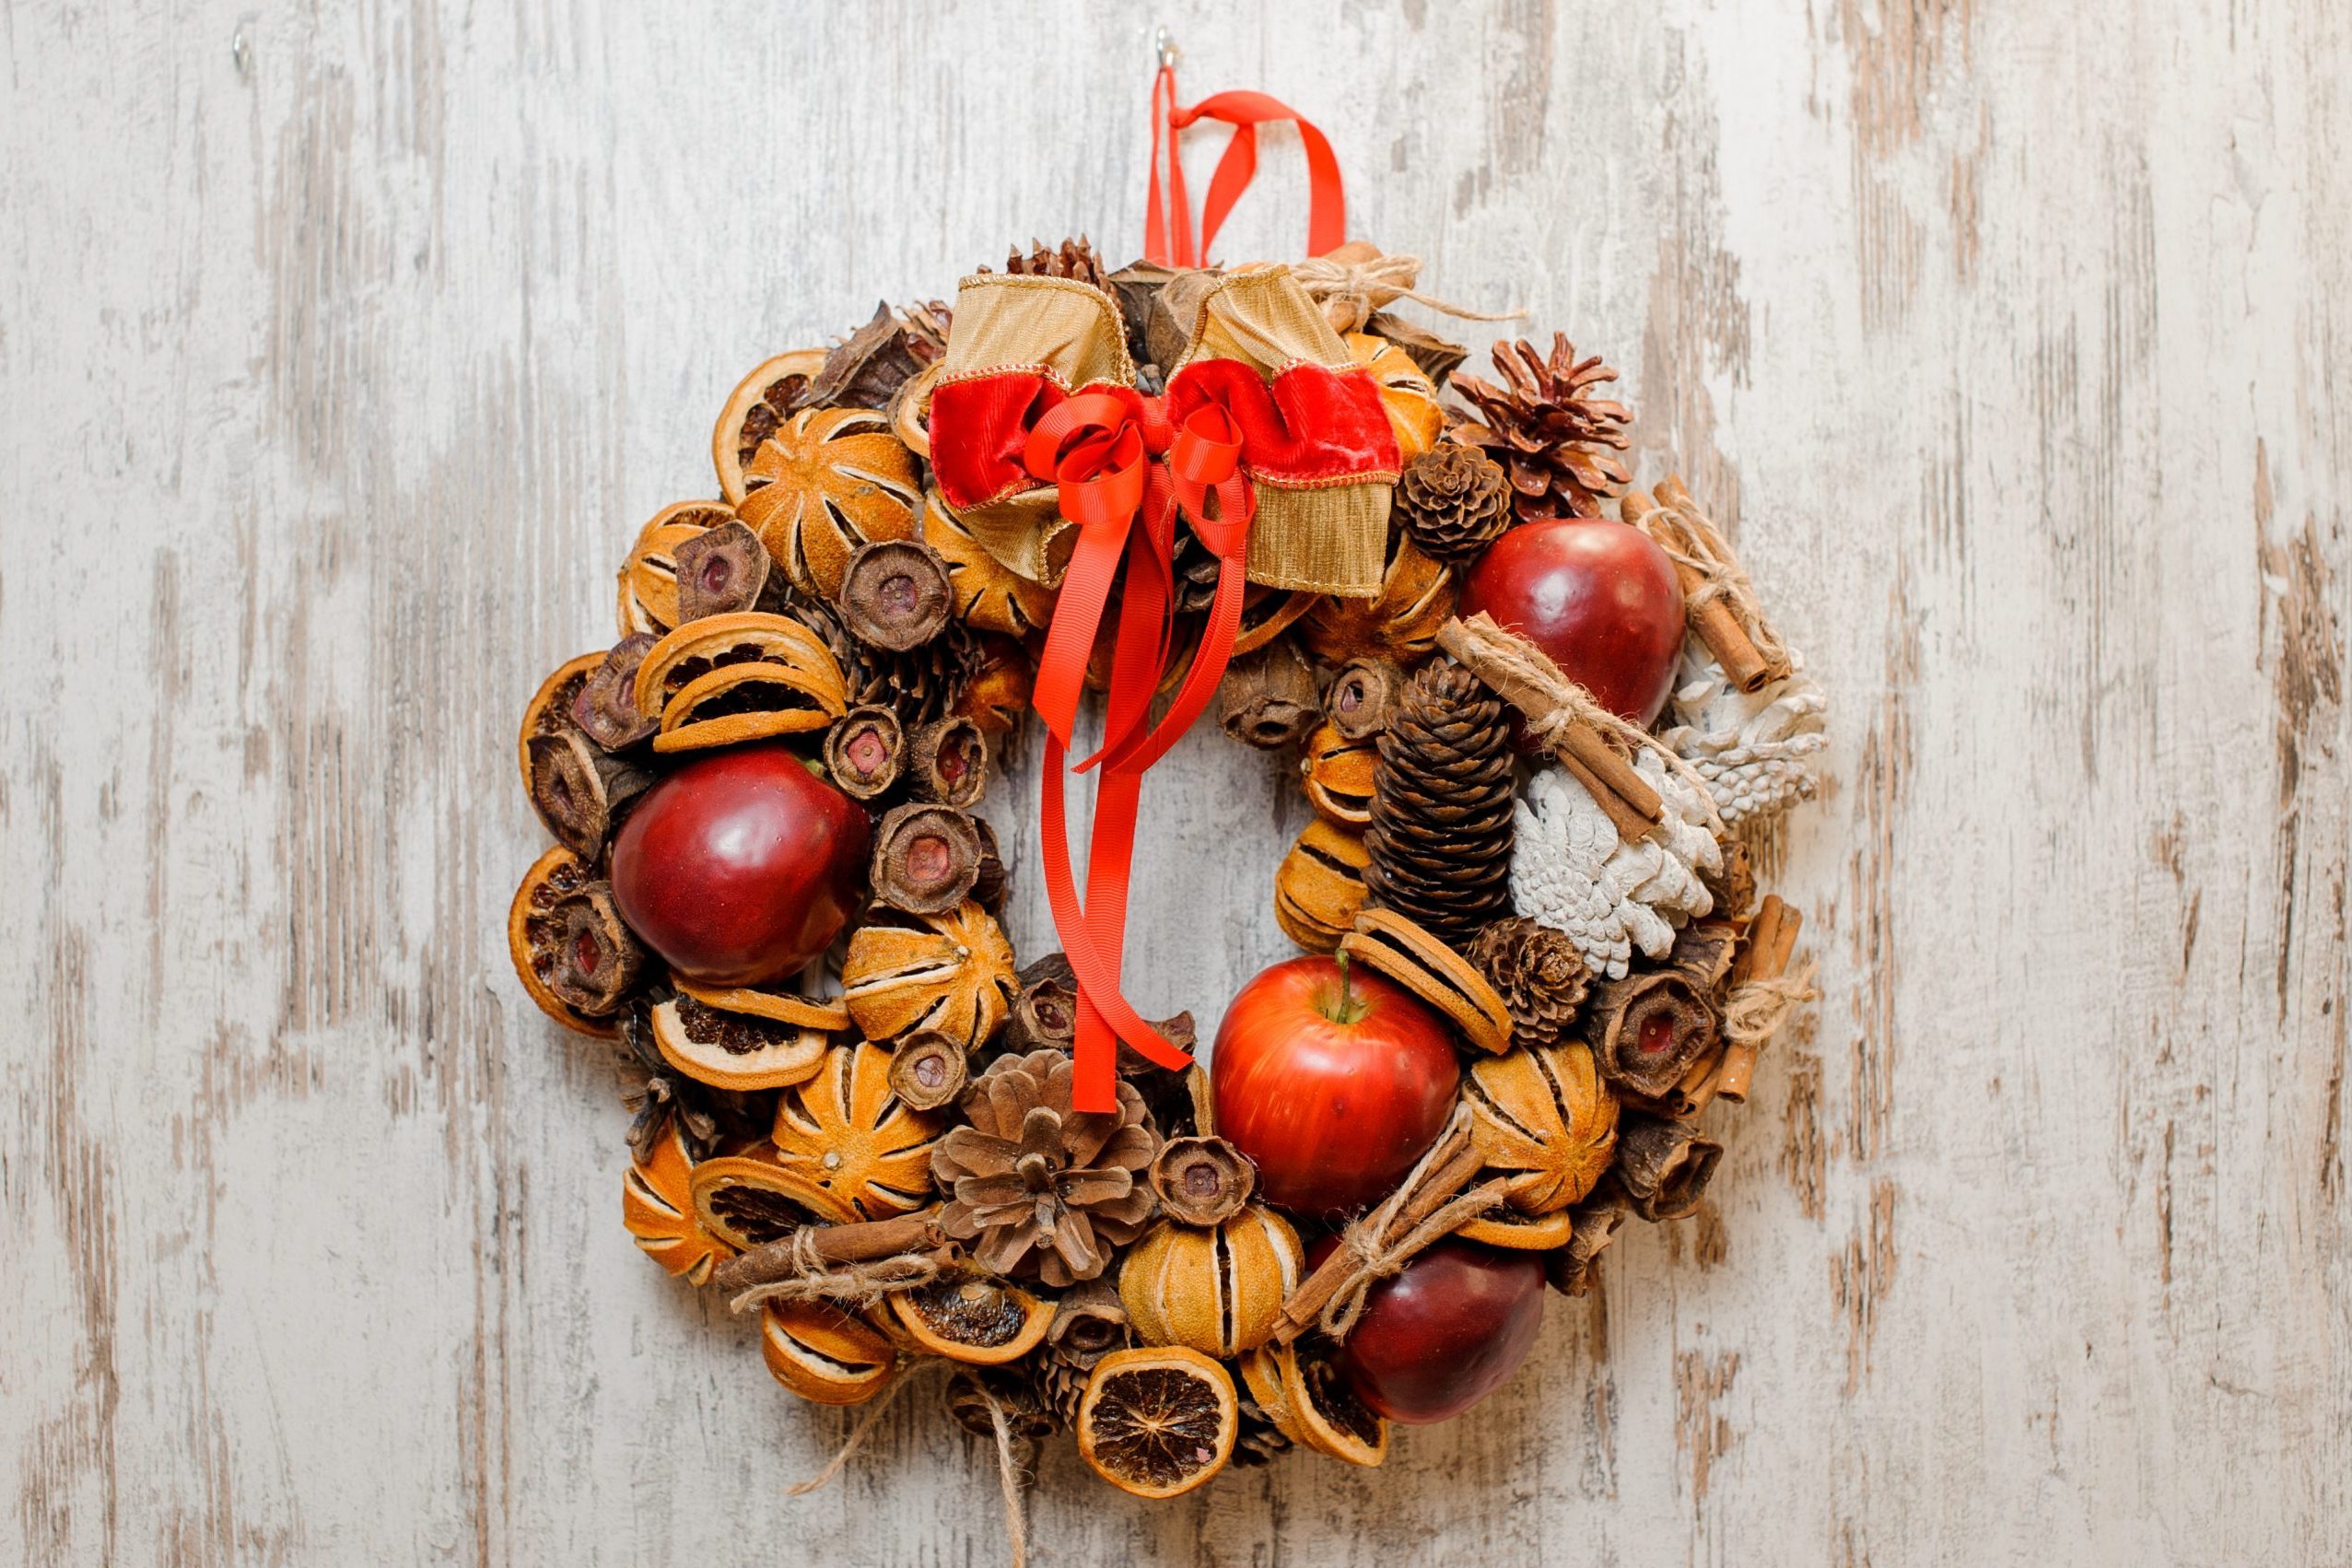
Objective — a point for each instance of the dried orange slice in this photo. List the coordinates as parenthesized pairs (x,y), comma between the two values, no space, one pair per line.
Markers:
(761,401)
(1504,1226)
(751,701)
(1339,775)
(657,1205)
(1329,1417)
(649,578)
(1261,1378)
(983,1321)
(847,1130)
(1417,594)
(987,595)
(823,1354)
(1158,1422)
(532,934)
(1320,885)
(1417,960)
(550,711)
(735,1047)
(1266,614)
(717,641)
(745,1200)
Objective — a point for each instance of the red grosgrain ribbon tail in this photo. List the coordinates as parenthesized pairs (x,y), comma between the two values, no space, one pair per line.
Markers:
(1167,228)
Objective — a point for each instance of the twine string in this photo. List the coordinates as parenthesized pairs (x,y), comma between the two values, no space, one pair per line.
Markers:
(1359,288)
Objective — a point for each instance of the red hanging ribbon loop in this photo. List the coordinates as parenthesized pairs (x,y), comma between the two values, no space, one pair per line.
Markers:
(1168,228)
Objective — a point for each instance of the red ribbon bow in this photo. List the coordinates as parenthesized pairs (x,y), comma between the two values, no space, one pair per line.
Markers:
(1099,449)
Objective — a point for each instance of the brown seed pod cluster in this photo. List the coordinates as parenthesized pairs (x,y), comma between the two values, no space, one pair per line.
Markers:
(881,1154)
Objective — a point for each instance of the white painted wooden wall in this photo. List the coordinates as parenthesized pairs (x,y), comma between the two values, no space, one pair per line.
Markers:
(344,344)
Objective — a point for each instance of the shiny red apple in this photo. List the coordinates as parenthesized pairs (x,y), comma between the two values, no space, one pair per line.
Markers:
(1446,1332)
(1599,597)
(740,868)
(1333,1080)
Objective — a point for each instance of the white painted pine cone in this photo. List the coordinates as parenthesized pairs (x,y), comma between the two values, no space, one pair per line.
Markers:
(1570,872)
(1753,749)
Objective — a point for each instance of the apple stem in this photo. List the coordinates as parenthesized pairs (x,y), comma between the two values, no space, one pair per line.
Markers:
(1347,1013)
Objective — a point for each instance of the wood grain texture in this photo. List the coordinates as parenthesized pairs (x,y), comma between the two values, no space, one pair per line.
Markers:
(343,345)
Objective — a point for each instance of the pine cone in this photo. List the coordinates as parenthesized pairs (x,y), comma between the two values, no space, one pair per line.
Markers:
(1540,974)
(1072,259)
(1556,443)
(1039,1189)
(1453,500)
(1259,1440)
(918,685)
(1027,1417)
(1196,574)
(1440,839)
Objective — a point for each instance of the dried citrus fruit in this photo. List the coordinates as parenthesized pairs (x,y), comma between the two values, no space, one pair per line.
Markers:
(989,595)
(738,1046)
(1320,885)
(532,933)
(847,1130)
(1339,775)
(1542,1114)
(983,1321)
(1506,1226)
(745,1200)
(550,711)
(823,1354)
(761,401)
(1407,395)
(1158,1422)
(950,972)
(649,578)
(1261,1378)
(1328,1417)
(657,1205)
(1217,1288)
(823,481)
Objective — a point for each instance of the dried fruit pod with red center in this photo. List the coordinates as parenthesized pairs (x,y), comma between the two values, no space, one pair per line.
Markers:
(865,751)
(894,593)
(948,760)
(721,571)
(926,859)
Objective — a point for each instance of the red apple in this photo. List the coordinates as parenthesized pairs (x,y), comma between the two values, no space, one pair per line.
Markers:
(740,868)
(1446,1332)
(1334,1082)
(1599,597)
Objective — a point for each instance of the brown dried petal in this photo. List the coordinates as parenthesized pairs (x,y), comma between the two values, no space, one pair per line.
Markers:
(864,372)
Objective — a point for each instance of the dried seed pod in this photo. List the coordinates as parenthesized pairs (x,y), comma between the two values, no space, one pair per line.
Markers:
(927,1071)
(992,882)
(598,958)
(553,708)
(894,593)
(1338,774)
(721,571)
(1202,1181)
(533,936)
(1541,1116)
(1360,697)
(947,760)
(995,694)
(1702,953)
(1647,1029)
(1574,1270)
(926,859)
(605,708)
(1046,1010)
(1415,959)
(580,791)
(1090,1322)
(649,578)
(864,751)
(867,370)
(953,973)
(1665,1165)
(1319,886)
(1219,1288)
(1268,698)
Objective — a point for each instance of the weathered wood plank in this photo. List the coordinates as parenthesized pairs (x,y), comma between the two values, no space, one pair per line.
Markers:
(343,345)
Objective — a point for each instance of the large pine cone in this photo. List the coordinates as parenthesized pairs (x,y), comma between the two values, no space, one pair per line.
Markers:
(1558,444)
(1440,839)
(1453,500)
(1540,975)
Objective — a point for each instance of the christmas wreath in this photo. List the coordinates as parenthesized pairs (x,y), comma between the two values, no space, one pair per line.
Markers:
(1535,735)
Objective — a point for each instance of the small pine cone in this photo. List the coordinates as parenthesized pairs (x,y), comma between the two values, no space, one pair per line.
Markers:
(1453,500)
(1259,1440)
(1540,973)
(1440,832)
(1060,1385)
(1072,259)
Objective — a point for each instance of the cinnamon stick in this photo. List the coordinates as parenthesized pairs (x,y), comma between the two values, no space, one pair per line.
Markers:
(862,1241)
(1451,1163)
(1772,941)
(1711,619)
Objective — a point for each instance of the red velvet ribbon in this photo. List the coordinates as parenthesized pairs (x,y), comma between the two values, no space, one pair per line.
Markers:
(1102,451)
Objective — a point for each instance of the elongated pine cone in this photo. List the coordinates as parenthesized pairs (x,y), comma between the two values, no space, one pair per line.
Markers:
(1540,973)
(1556,441)
(1440,832)
(1453,500)
(1039,1189)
